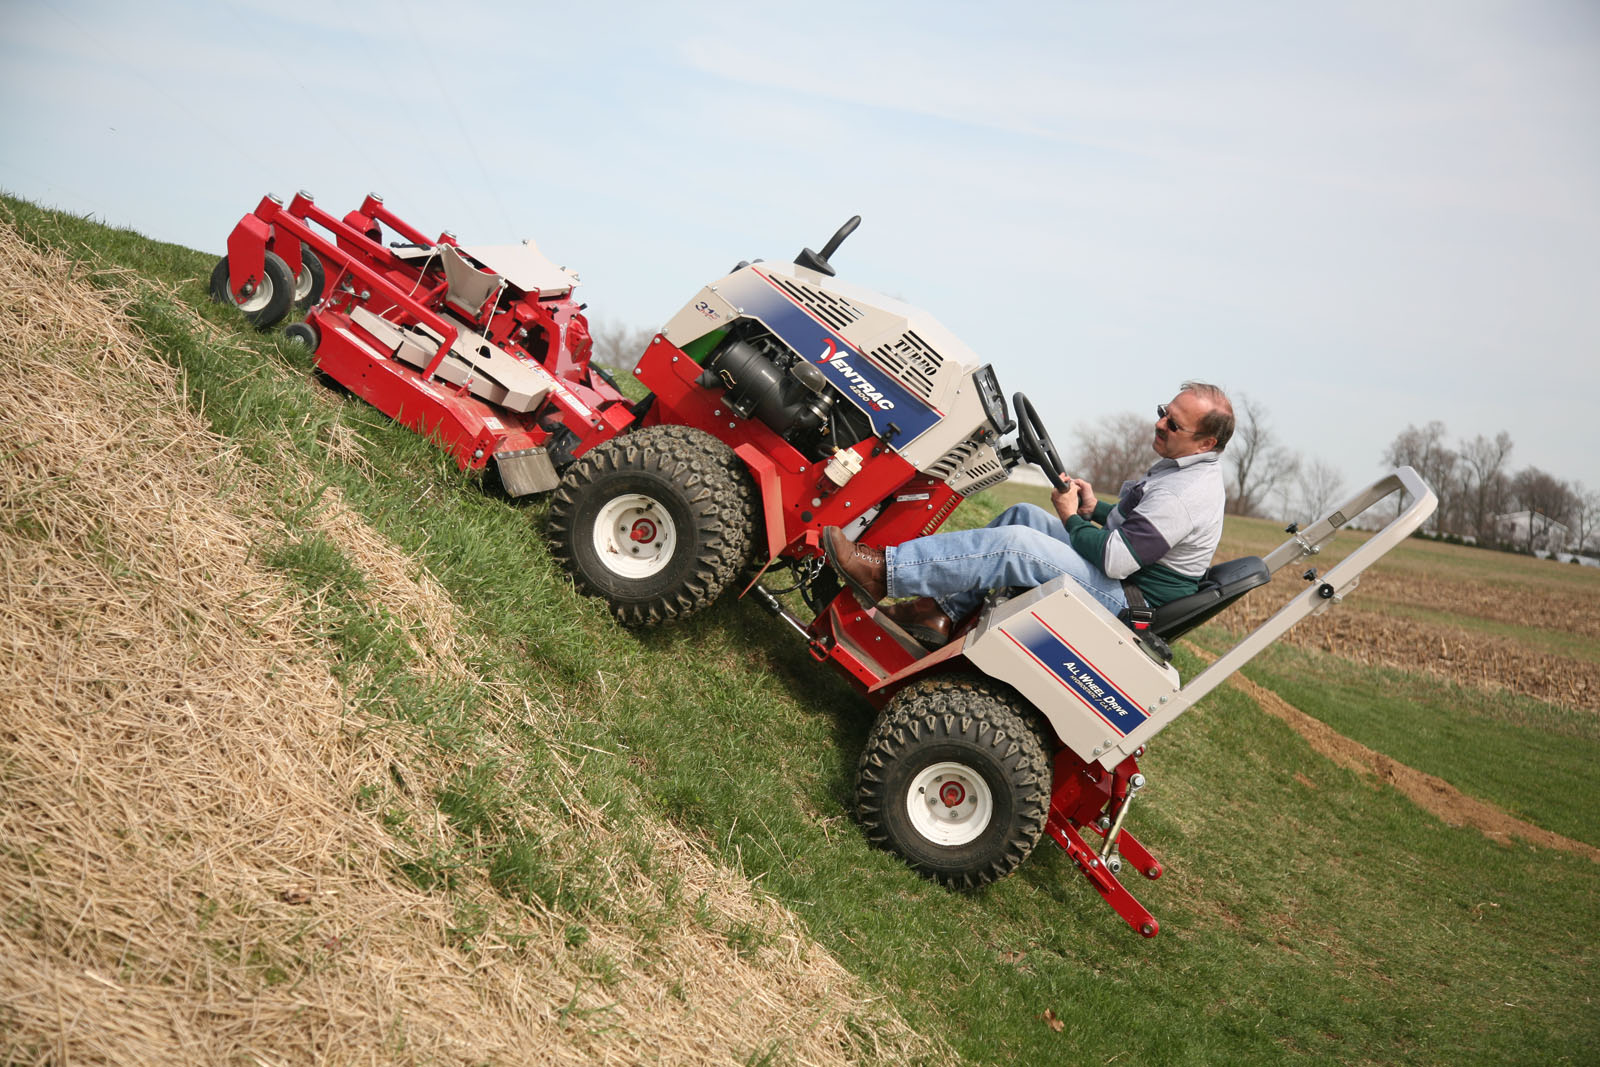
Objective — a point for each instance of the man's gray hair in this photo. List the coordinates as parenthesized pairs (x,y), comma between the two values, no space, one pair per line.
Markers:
(1218,421)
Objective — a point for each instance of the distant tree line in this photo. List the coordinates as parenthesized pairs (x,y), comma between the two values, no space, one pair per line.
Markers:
(1482,500)
(618,346)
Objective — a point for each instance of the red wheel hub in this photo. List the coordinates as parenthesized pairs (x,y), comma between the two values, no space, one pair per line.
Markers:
(952,794)
(644,531)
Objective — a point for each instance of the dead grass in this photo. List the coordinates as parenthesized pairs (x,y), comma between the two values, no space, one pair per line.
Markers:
(186,875)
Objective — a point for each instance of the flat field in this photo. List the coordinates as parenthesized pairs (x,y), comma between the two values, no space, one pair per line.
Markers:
(311,752)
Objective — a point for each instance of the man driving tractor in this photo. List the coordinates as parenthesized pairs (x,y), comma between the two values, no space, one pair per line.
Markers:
(1151,547)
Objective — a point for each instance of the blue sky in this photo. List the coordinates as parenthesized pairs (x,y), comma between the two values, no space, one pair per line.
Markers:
(1363,215)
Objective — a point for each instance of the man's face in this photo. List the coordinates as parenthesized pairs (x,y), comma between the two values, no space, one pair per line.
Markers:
(1185,412)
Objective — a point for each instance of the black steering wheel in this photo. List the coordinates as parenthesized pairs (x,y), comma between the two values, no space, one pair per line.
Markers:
(1035,442)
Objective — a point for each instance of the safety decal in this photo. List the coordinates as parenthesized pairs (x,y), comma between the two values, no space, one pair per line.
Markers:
(1080,677)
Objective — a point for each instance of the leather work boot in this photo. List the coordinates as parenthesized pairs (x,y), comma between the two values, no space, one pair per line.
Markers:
(923,619)
(862,567)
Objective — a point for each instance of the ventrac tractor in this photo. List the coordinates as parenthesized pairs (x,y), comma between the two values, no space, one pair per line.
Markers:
(783,401)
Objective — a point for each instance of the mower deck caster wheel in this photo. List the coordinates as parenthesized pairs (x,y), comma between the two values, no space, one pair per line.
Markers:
(954,780)
(304,333)
(309,282)
(268,302)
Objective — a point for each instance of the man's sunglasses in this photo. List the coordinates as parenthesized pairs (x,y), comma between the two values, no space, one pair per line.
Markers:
(1161,413)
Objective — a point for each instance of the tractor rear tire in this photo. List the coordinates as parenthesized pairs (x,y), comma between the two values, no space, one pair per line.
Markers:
(656,522)
(308,284)
(269,303)
(955,780)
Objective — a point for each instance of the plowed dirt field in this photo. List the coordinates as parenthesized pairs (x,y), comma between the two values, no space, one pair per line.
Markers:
(1432,608)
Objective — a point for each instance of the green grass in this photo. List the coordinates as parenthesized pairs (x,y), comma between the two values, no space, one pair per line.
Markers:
(1534,760)
(1306,911)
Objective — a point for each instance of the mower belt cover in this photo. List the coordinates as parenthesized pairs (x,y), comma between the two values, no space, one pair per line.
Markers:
(489,372)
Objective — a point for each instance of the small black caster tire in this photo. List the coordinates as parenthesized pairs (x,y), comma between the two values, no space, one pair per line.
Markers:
(268,303)
(304,333)
(309,283)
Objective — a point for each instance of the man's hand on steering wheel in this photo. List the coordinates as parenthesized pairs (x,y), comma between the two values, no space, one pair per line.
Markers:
(1065,500)
(1086,498)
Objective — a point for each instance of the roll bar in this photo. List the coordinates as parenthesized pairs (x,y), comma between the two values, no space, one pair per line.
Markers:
(1320,593)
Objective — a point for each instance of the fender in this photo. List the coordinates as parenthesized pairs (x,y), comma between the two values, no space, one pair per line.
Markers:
(247,248)
(771,489)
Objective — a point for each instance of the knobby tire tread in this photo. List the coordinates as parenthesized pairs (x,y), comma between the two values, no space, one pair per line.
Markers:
(714,485)
(994,721)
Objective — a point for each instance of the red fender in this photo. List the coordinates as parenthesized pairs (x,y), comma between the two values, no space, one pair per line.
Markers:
(770,487)
(247,252)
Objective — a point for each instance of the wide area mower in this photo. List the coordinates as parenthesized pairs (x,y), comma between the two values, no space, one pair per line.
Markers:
(482,347)
(783,401)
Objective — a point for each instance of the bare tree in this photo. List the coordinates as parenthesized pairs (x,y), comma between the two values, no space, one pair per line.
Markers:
(1424,451)
(1319,484)
(1545,498)
(1485,487)
(1585,515)
(1258,465)
(618,346)
(1114,449)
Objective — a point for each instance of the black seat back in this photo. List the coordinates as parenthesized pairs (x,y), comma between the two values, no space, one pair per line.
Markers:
(1219,587)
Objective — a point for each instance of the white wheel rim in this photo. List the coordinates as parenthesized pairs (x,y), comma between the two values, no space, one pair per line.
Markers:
(949,803)
(634,536)
(258,299)
(302,283)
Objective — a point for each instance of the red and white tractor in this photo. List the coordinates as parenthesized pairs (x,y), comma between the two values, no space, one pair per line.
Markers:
(783,401)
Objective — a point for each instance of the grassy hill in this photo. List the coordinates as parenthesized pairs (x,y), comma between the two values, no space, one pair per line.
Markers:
(643,841)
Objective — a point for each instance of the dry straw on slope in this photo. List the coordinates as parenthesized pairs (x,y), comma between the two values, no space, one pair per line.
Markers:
(185,876)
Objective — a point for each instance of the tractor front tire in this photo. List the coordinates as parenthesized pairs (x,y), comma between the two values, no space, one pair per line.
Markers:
(656,522)
(955,780)
(270,301)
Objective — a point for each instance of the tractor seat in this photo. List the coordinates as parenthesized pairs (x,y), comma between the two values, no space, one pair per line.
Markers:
(1219,587)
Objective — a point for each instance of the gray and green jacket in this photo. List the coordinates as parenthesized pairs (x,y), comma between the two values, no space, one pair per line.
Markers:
(1164,529)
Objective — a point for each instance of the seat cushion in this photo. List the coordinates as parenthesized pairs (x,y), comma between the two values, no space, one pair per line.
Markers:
(1219,587)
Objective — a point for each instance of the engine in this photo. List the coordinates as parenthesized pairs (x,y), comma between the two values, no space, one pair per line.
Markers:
(767,380)
(826,364)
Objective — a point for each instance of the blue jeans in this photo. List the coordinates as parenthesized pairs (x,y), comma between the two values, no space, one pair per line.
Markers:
(1024,546)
